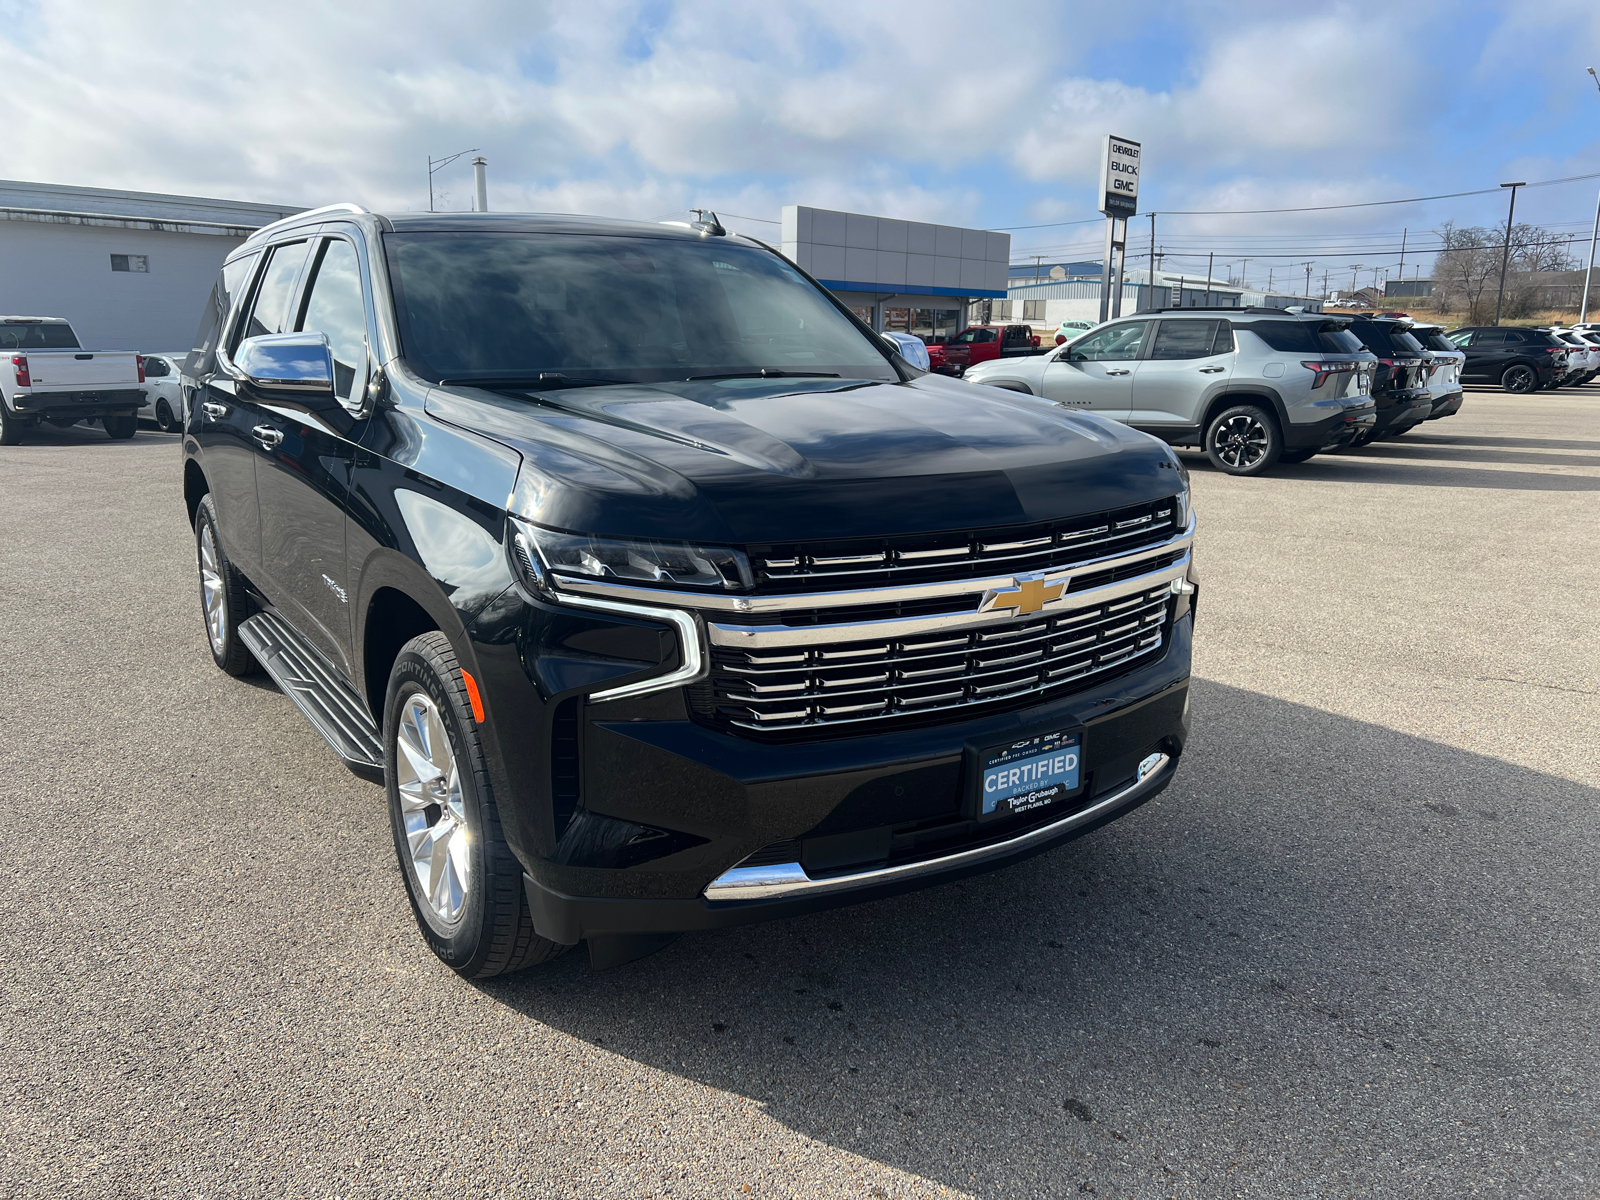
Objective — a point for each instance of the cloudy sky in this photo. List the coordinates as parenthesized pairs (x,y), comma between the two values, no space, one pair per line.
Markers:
(987,115)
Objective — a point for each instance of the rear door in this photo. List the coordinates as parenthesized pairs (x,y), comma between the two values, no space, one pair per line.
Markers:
(1189,361)
(1095,373)
(303,472)
(220,429)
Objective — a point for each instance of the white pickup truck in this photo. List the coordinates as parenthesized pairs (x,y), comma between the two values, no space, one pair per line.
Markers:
(46,376)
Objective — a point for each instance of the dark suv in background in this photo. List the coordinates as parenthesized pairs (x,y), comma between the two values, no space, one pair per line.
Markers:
(658,591)
(1400,383)
(1519,360)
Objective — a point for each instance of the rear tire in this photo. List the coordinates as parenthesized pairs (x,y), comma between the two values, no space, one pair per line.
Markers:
(1244,440)
(1519,380)
(464,884)
(10,427)
(120,428)
(165,421)
(223,600)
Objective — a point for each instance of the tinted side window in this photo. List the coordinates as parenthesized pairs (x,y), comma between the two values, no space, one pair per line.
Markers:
(1117,343)
(202,357)
(1461,339)
(1403,340)
(1287,337)
(335,309)
(156,368)
(1184,339)
(1513,336)
(983,335)
(270,312)
(1224,339)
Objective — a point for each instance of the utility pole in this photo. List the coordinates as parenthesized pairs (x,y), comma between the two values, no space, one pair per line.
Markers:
(1211,264)
(1244,269)
(1308,280)
(1269,277)
(1037,259)
(1505,254)
(1324,285)
(1152,292)
(1354,269)
(1403,233)
(1595,236)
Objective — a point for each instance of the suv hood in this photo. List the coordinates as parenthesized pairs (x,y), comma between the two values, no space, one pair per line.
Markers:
(764,460)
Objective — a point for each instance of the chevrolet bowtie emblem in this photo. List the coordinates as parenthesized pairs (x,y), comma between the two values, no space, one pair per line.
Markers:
(1027,594)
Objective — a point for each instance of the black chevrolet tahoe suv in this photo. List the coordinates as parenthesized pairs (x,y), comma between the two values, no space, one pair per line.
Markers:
(659,594)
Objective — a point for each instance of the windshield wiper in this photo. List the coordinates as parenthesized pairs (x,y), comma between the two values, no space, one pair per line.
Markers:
(543,382)
(771,373)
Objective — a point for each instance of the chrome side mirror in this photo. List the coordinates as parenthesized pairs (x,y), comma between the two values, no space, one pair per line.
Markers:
(291,362)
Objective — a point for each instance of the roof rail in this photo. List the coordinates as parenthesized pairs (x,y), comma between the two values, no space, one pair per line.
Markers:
(1225,308)
(343,206)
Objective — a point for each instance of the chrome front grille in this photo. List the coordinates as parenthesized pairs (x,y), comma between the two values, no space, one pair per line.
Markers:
(889,561)
(851,682)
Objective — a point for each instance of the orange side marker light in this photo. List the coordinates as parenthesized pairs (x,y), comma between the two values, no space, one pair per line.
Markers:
(472,695)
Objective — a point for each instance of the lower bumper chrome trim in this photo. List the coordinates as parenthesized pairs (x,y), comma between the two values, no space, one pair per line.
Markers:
(790,879)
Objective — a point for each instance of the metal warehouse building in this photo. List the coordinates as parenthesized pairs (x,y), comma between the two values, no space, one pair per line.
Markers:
(130,270)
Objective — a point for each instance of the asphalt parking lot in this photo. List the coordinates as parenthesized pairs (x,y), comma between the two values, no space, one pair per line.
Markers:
(1351,952)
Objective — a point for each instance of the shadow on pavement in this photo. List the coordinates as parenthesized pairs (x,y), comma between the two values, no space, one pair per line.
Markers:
(1331,957)
(1414,470)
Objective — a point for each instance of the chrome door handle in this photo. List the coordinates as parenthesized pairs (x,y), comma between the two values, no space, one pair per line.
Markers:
(214,410)
(1211,370)
(268,436)
(1121,371)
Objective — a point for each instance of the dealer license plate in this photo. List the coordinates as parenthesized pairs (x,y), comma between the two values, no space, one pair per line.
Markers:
(1029,773)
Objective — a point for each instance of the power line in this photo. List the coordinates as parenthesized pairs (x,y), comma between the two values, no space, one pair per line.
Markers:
(1256,212)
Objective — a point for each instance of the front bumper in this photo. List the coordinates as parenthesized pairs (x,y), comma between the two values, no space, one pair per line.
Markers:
(818,802)
(78,406)
(1331,432)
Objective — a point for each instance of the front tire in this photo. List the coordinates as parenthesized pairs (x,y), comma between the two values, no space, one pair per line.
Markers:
(1244,440)
(223,600)
(464,884)
(1520,380)
(120,428)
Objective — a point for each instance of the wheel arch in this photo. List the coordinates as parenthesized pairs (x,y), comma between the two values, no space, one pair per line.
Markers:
(1245,394)
(195,487)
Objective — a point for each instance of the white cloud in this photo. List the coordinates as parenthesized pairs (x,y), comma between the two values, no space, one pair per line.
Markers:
(934,110)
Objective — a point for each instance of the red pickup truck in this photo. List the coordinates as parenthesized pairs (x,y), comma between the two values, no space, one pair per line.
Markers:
(980,343)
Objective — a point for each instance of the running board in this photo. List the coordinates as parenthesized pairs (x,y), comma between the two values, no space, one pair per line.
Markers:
(303,675)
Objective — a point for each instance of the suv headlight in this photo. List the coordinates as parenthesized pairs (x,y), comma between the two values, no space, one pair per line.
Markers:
(670,564)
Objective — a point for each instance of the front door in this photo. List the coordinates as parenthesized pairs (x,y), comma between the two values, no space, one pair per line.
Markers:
(1188,362)
(303,475)
(1095,372)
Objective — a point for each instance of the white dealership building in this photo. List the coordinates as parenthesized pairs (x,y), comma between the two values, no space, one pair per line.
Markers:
(129,270)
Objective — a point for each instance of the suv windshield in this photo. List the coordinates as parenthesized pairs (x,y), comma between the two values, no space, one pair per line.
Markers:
(509,306)
(38,337)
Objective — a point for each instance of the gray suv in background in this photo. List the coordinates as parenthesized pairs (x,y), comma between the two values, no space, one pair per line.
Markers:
(1253,387)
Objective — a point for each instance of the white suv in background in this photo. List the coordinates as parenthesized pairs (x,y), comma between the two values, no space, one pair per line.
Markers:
(1584,357)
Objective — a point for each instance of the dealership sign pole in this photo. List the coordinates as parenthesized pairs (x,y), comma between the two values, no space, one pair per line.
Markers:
(1119,200)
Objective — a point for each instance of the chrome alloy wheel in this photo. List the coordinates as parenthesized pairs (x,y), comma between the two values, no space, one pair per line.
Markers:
(432,808)
(1241,441)
(213,594)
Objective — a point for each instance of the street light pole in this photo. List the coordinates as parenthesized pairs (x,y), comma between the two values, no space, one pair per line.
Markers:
(1505,254)
(437,164)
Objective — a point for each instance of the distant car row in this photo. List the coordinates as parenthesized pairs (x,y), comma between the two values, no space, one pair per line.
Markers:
(1253,387)
(1525,360)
